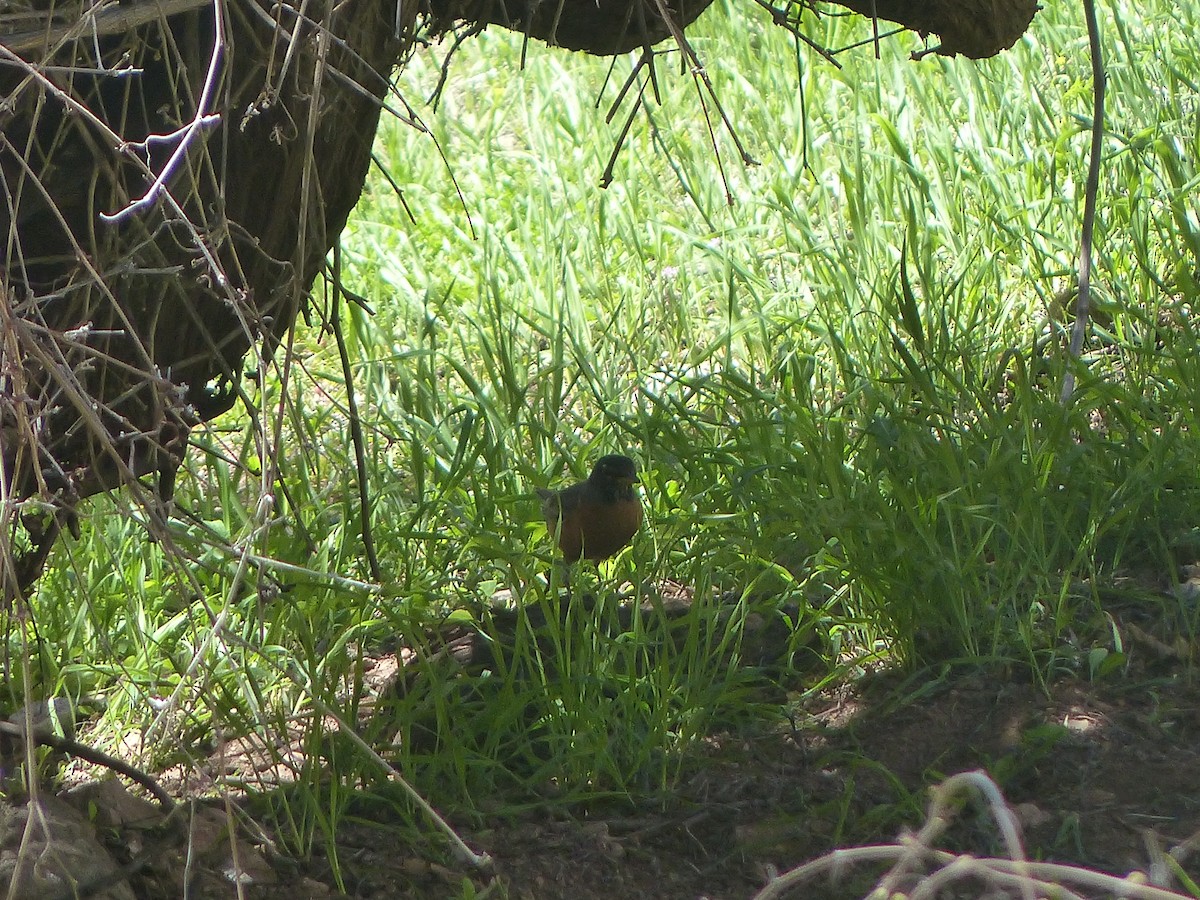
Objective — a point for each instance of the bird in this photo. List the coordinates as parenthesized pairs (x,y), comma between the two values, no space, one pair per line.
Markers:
(594,519)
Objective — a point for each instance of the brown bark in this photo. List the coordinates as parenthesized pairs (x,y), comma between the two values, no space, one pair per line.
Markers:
(601,27)
(973,28)
(117,337)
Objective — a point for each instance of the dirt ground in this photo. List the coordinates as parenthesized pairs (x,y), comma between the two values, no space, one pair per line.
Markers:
(1106,776)
(1103,774)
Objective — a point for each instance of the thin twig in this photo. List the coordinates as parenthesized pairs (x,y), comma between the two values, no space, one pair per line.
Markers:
(116,141)
(399,192)
(436,97)
(356,432)
(186,136)
(116,19)
(1031,879)
(480,861)
(215,542)
(607,177)
(782,19)
(1083,301)
(700,73)
(92,755)
(690,59)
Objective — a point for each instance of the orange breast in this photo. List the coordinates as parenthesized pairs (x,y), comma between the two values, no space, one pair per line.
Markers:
(588,524)
(601,529)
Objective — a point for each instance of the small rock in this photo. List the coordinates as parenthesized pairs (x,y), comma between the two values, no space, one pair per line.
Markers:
(59,855)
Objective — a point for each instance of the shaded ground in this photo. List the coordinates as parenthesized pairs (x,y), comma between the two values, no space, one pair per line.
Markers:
(1103,774)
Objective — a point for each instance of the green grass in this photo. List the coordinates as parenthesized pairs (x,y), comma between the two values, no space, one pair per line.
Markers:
(841,387)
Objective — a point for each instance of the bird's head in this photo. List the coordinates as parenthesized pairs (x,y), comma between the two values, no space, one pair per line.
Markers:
(614,470)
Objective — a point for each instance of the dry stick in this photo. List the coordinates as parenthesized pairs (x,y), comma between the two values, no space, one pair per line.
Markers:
(262,522)
(461,850)
(480,861)
(327,40)
(183,137)
(646,59)
(965,867)
(834,863)
(1031,878)
(216,542)
(1047,878)
(701,75)
(93,756)
(293,42)
(606,177)
(89,412)
(1084,299)
(459,36)
(270,443)
(26,858)
(122,147)
(704,84)
(870,40)
(612,63)
(940,814)
(780,18)
(84,405)
(396,189)
(107,23)
(110,20)
(698,74)
(875,29)
(80,255)
(356,433)
(18,571)
(408,117)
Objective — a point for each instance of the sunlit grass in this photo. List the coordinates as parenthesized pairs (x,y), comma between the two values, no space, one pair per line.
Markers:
(838,370)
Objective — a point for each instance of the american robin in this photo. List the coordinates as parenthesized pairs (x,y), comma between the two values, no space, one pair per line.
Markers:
(595,519)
